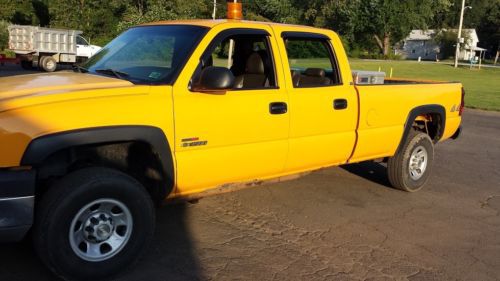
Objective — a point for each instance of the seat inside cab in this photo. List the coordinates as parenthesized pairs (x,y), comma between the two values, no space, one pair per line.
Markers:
(250,61)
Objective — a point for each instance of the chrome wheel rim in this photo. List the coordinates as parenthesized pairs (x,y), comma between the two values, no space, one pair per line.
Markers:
(100,230)
(50,64)
(418,163)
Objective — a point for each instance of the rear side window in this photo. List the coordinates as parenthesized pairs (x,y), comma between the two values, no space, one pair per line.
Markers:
(312,62)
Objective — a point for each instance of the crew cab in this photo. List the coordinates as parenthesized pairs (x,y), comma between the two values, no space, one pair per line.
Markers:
(201,106)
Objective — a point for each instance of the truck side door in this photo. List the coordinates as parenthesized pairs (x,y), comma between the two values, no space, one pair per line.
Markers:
(323,108)
(238,135)
(83,48)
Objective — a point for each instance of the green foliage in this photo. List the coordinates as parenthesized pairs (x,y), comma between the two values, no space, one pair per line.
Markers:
(447,40)
(18,11)
(489,27)
(282,11)
(299,49)
(358,22)
(4,35)
(156,10)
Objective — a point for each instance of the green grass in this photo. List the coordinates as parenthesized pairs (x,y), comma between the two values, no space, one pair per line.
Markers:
(482,86)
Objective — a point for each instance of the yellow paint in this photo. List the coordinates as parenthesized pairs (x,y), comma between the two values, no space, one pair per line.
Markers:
(245,143)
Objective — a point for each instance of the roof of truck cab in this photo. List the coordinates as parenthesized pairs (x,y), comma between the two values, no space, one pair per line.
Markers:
(211,23)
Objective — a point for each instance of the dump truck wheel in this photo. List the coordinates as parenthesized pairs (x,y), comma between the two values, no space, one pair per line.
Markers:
(48,64)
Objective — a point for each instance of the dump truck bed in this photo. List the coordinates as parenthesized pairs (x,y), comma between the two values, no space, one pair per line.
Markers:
(33,39)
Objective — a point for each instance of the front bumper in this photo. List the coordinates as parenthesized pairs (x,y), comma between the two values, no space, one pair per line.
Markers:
(17,199)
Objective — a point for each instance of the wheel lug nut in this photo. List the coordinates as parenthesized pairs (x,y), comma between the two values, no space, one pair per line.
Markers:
(102,217)
(89,229)
(94,220)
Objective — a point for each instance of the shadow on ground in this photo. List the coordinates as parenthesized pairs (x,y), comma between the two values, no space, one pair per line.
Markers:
(372,171)
(169,257)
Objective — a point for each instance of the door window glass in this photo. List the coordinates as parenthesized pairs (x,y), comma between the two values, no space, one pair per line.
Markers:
(81,41)
(249,59)
(312,63)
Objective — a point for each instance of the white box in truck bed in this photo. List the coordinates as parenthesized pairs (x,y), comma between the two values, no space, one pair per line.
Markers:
(25,39)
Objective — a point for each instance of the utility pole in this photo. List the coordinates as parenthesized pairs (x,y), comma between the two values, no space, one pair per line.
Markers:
(231,42)
(496,57)
(215,10)
(459,39)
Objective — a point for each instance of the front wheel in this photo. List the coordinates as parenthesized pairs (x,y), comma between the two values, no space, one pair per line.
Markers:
(93,223)
(410,168)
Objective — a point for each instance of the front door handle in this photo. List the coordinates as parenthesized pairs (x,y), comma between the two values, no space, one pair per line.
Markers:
(278,108)
(340,104)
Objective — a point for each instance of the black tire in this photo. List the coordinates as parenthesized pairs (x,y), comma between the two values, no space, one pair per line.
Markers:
(48,64)
(64,201)
(401,176)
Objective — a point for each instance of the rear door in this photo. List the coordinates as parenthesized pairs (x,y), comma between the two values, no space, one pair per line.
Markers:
(323,109)
(235,136)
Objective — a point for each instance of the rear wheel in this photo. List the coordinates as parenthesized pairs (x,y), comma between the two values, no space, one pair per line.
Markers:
(48,64)
(93,223)
(410,168)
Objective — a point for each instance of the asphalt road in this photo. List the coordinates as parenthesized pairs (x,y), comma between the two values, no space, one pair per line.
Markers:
(341,223)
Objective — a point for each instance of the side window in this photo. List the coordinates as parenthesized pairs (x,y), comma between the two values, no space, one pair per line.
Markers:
(312,62)
(249,58)
(81,41)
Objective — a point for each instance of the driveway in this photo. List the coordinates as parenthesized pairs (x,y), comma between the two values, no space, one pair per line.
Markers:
(341,223)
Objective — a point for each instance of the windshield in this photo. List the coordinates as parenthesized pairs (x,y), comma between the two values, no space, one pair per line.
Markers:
(147,54)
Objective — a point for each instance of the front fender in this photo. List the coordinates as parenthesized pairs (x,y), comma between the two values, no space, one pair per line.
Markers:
(41,148)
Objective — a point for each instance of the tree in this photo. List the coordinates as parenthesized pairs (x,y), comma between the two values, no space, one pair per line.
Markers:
(281,11)
(447,40)
(489,27)
(97,19)
(18,12)
(141,11)
(4,35)
(389,21)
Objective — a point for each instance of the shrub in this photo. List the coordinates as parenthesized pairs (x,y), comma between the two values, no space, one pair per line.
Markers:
(4,35)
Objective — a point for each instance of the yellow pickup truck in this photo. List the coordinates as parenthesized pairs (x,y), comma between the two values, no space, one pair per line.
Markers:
(186,108)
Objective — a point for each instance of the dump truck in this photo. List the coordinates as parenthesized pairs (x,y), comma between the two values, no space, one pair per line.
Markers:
(45,48)
(85,156)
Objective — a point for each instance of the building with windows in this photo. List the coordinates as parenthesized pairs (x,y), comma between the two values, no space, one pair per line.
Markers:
(421,44)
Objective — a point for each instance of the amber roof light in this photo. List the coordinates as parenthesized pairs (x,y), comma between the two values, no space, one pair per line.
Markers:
(234,10)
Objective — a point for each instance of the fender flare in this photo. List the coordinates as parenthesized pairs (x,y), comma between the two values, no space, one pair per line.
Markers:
(42,147)
(420,110)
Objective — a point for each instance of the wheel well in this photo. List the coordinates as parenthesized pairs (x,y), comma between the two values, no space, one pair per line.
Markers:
(431,124)
(135,158)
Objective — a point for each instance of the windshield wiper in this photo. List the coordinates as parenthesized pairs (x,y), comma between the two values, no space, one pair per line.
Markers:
(118,74)
(80,69)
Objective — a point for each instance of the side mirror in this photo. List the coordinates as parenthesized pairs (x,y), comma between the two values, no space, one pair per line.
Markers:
(214,80)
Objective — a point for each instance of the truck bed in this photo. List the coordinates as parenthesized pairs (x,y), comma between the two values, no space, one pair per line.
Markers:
(397,81)
(24,39)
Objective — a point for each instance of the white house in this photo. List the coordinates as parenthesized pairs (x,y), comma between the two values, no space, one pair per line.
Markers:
(420,43)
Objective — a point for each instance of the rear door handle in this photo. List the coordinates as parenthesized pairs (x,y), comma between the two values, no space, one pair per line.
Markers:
(278,108)
(340,104)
